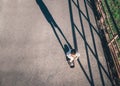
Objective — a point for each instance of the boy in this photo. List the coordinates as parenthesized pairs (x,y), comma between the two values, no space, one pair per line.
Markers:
(72,55)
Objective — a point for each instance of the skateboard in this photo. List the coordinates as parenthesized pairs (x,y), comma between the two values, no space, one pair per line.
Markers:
(71,64)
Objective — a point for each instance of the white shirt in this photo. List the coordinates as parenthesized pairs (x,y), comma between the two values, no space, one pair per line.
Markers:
(71,57)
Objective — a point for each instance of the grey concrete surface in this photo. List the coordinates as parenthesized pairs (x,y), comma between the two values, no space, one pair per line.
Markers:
(31,55)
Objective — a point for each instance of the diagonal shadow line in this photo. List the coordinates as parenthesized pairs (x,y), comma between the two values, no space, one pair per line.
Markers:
(72,25)
(94,54)
(89,3)
(91,50)
(88,60)
(75,40)
(84,71)
(86,18)
(52,22)
(108,56)
(94,44)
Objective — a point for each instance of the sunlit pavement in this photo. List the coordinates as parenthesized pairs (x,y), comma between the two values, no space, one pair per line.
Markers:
(32,39)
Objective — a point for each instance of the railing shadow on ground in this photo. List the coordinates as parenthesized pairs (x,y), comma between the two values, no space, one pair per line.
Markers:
(94,44)
(100,66)
(86,18)
(91,81)
(53,24)
(107,54)
(55,27)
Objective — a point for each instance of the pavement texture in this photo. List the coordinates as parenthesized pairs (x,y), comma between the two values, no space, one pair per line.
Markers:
(33,35)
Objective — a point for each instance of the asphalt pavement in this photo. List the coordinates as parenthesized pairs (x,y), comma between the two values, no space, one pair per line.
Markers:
(33,35)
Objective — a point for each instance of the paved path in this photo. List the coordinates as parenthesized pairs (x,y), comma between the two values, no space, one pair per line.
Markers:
(32,39)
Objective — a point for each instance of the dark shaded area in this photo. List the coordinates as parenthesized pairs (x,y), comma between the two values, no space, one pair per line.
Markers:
(108,57)
(93,6)
(66,48)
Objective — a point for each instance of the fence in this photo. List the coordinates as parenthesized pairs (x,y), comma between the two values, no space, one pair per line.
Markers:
(108,24)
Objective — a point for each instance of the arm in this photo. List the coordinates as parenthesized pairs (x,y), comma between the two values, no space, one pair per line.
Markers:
(77,56)
(70,57)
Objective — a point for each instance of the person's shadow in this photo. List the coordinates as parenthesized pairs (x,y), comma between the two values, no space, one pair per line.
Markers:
(55,27)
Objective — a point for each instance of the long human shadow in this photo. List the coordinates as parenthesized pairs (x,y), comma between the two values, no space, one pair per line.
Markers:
(100,66)
(91,81)
(53,24)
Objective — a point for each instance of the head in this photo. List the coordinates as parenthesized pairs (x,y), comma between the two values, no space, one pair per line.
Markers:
(73,51)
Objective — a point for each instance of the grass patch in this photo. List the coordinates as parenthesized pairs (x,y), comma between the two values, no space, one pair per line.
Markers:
(114,6)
